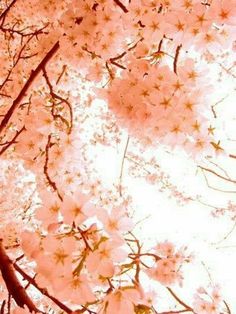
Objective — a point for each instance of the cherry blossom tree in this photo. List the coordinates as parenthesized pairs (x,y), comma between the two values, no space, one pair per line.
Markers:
(78,76)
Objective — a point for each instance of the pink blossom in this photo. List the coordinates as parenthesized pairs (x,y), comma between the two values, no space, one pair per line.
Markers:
(121,301)
(104,259)
(73,208)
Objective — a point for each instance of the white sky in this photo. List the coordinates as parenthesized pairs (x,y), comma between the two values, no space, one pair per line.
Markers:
(191,224)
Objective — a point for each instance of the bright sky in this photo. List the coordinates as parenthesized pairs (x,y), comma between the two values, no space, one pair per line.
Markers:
(191,224)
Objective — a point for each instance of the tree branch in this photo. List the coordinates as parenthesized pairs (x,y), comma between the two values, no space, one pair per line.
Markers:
(45,168)
(54,97)
(2,307)
(176,58)
(120,4)
(13,285)
(227,307)
(217,174)
(33,75)
(187,307)
(12,141)
(42,290)
(122,166)
(5,12)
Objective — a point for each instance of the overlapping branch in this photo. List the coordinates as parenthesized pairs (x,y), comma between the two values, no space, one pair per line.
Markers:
(32,77)
(13,285)
(45,168)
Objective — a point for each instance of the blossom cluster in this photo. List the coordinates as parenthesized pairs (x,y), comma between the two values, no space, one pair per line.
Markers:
(80,251)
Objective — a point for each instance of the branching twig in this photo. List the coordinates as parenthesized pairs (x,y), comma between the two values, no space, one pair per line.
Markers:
(137,261)
(55,96)
(83,235)
(219,167)
(217,103)
(120,56)
(5,12)
(32,77)
(217,174)
(134,255)
(12,141)
(45,168)
(213,188)
(227,235)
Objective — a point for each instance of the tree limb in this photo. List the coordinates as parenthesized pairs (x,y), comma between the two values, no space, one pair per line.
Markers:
(42,290)
(32,77)
(13,285)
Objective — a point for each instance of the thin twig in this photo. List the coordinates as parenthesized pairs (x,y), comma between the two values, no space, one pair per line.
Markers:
(45,168)
(187,307)
(63,100)
(12,141)
(213,188)
(176,58)
(217,174)
(61,74)
(122,166)
(121,5)
(5,12)
(227,235)
(227,307)
(32,77)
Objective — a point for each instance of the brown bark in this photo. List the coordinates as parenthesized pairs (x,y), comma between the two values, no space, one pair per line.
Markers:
(15,289)
(32,77)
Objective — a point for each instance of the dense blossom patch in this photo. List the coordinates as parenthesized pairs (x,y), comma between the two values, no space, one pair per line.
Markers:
(71,239)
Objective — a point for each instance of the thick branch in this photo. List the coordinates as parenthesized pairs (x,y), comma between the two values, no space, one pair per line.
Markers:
(2,307)
(33,75)
(13,285)
(42,290)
